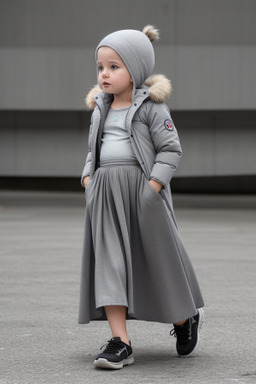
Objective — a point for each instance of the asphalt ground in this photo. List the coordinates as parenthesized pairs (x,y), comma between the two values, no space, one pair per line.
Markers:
(41,237)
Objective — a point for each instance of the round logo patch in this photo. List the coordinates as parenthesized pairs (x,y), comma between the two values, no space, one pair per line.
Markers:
(168,124)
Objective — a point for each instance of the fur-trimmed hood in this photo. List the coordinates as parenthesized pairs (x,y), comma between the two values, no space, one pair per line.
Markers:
(159,88)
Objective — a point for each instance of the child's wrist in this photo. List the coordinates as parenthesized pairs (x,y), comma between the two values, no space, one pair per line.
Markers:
(157,186)
(86,181)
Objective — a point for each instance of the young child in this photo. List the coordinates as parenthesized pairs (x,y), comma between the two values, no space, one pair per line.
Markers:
(134,265)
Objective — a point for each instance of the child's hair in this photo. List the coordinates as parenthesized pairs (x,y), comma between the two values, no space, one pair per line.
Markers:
(135,49)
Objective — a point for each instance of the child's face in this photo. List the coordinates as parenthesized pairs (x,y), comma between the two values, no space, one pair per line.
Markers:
(113,76)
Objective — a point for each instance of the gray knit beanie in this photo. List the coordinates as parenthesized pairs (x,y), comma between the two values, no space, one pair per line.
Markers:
(135,49)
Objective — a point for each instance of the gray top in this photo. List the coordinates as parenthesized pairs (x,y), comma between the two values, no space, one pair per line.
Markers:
(116,145)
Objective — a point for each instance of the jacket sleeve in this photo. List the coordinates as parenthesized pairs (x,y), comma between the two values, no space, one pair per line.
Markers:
(87,166)
(166,143)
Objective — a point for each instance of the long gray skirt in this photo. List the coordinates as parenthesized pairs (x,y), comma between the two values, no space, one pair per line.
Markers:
(132,253)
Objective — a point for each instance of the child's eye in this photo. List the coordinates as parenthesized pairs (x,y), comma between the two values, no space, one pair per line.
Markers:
(100,68)
(114,66)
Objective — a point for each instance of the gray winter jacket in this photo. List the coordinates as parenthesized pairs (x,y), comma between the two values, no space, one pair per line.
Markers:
(154,138)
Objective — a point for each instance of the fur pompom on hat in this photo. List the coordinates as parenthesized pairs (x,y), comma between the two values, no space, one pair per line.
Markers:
(135,49)
(151,32)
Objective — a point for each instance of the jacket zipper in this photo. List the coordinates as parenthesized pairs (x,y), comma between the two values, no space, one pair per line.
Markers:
(140,156)
(140,152)
(96,143)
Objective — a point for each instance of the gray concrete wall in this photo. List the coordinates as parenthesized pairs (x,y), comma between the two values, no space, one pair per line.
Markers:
(43,144)
(207,49)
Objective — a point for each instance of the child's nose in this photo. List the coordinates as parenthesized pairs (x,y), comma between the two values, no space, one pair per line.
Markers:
(105,74)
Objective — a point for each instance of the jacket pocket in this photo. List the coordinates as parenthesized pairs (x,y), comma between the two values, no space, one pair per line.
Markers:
(88,186)
(152,188)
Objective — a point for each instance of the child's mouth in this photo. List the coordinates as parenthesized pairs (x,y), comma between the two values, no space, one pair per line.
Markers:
(105,84)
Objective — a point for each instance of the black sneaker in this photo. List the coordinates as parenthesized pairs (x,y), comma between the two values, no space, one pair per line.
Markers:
(188,334)
(115,355)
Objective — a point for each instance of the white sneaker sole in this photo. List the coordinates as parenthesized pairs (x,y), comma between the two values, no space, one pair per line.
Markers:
(200,324)
(104,363)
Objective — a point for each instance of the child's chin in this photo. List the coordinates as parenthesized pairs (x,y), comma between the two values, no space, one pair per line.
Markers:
(107,91)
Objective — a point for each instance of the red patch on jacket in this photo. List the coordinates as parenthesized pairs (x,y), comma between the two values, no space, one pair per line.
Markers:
(168,124)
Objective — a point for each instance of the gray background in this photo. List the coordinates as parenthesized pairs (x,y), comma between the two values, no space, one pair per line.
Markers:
(207,49)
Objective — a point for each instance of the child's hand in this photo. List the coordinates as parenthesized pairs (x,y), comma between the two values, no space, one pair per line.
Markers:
(157,186)
(86,181)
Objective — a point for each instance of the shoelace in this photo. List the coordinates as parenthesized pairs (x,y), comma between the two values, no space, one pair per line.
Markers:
(182,333)
(112,346)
